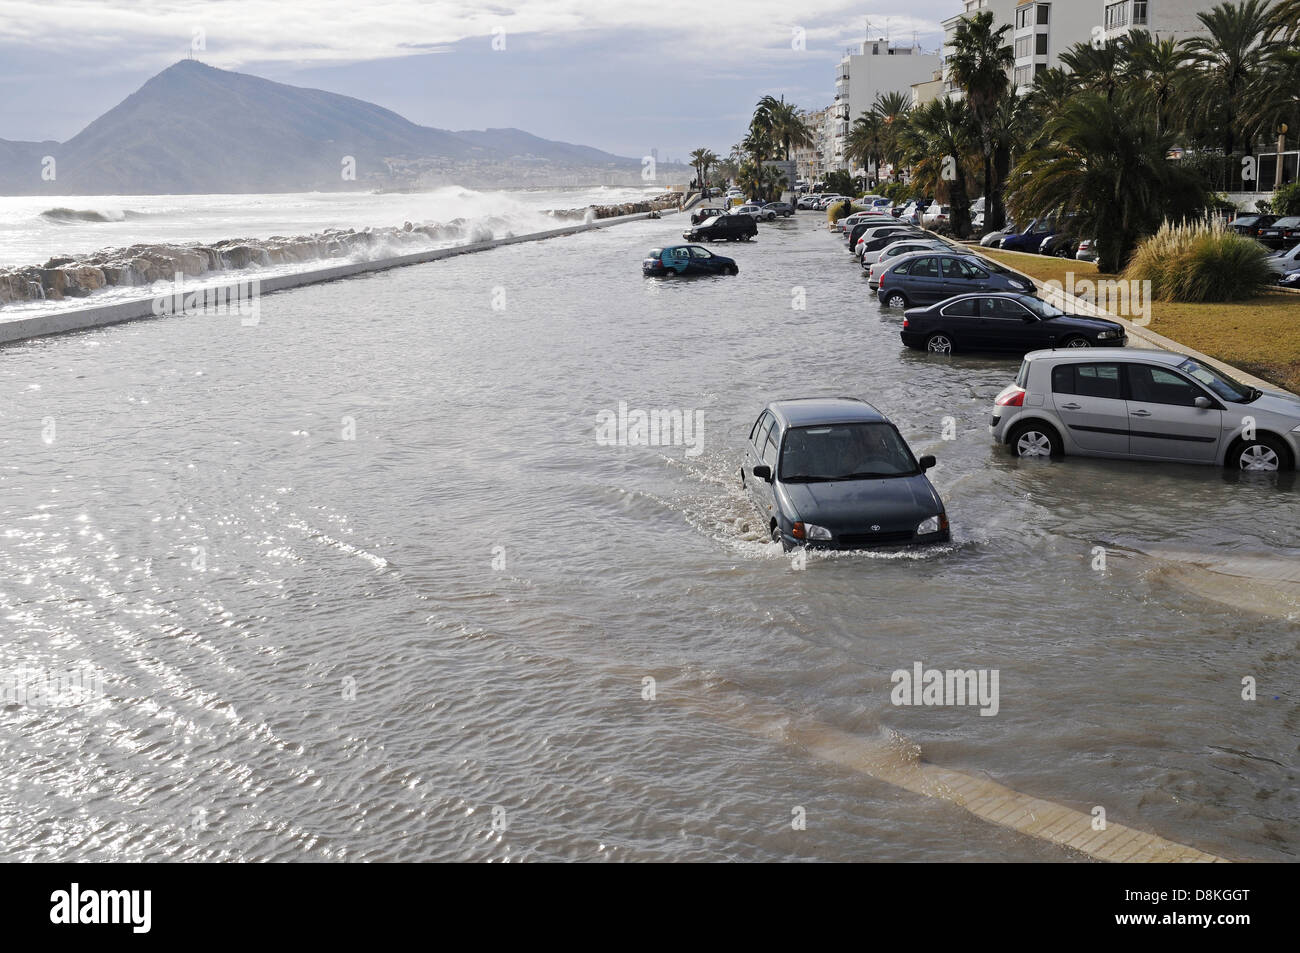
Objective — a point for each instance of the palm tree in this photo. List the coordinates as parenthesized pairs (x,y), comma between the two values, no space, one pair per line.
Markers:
(788,127)
(1274,97)
(1104,162)
(1286,20)
(1227,61)
(893,109)
(702,160)
(865,140)
(1159,68)
(1097,68)
(979,63)
(942,134)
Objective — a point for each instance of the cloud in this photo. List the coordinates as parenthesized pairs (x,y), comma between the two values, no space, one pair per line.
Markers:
(232,33)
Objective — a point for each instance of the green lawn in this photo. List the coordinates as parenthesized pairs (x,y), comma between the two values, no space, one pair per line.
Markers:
(1260,335)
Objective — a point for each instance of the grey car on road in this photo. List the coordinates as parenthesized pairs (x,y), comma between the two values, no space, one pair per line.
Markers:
(1144,405)
(834,473)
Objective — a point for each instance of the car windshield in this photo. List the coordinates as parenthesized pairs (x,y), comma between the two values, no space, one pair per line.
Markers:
(859,451)
(1040,307)
(1220,383)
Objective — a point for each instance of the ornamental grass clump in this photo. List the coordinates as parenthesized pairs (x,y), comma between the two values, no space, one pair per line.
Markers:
(1200,261)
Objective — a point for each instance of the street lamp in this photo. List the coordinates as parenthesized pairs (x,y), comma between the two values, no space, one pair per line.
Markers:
(1281,147)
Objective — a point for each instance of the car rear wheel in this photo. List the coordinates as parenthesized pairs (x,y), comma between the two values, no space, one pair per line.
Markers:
(1035,441)
(896,299)
(939,344)
(1077,341)
(1263,454)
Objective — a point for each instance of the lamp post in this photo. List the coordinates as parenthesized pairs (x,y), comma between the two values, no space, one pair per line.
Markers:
(1281,147)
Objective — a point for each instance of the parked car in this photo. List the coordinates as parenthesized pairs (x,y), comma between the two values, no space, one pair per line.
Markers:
(1290,280)
(1031,239)
(835,473)
(686,260)
(854,232)
(994,239)
(1059,246)
(810,200)
(887,255)
(780,208)
(1004,322)
(936,215)
(757,212)
(1284,261)
(1087,250)
(875,229)
(1144,405)
(924,278)
(884,237)
(848,221)
(1283,233)
(1251,224)
(723,228)
(700,214)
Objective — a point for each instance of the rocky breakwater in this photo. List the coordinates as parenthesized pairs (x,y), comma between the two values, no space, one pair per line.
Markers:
(142,265)
(668,201)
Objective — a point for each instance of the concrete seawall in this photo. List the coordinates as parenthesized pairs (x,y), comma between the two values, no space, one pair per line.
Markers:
(28,326)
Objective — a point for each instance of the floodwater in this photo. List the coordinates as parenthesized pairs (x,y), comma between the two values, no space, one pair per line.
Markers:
(361,583)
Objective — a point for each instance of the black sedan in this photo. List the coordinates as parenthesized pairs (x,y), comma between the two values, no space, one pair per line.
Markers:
(723,228)
(1283,233)
(1004,322)
(686,260)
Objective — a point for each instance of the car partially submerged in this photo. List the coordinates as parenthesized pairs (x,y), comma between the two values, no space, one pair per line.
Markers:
(835,473)
(686,260)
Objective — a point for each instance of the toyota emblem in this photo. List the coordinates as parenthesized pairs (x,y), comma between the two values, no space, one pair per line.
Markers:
(875,529)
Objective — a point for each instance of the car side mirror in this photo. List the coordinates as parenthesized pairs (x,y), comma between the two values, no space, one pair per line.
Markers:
(763,472)
(1203,403)
(927,462)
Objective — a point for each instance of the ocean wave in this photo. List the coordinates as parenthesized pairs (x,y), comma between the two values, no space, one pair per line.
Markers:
(79,216)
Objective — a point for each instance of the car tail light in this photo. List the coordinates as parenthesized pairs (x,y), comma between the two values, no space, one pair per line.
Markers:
(1011,397)
(904,322)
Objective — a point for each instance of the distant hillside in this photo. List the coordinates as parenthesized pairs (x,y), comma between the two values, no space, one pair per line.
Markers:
(193,128)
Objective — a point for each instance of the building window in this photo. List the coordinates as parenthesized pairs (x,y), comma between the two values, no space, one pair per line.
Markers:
(1117,15)
(1041,46)
(1023,74)
(1043,9)
(1023,46)
(1139,12)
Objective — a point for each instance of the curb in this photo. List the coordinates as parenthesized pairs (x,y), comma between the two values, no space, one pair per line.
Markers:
(1151,338)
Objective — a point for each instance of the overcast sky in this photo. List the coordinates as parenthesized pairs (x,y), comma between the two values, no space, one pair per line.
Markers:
(627,76)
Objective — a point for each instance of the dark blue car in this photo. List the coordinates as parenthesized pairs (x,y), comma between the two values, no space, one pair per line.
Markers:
(834,473)
(928,277)
(686,260)
(1032,238)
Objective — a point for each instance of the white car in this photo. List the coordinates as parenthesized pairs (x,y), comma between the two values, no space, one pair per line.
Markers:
(757,212)
(1284,262)
(936,214)
(883,259)
(876,231)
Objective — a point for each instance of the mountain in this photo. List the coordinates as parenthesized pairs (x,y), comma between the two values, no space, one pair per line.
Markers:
(194,129)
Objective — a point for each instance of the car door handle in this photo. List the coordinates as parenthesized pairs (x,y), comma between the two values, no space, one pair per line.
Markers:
(1071,406)
(1141,413)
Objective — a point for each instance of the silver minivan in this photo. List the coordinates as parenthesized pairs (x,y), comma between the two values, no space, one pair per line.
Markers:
(1144,405)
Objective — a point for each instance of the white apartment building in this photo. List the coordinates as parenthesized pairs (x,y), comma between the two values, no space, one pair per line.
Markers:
(810,161)
(860,78)
(1042,29)
(1169,19)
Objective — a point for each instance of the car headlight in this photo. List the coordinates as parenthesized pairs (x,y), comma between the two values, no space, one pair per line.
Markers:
(1018,285)
(1104,335)
(810,531)
(932,525)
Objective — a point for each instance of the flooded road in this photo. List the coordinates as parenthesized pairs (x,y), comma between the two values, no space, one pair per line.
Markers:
(361,583)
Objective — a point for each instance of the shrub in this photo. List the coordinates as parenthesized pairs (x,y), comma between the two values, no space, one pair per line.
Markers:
(838,210)
(1286,200)
(1200,261)
(898,192)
